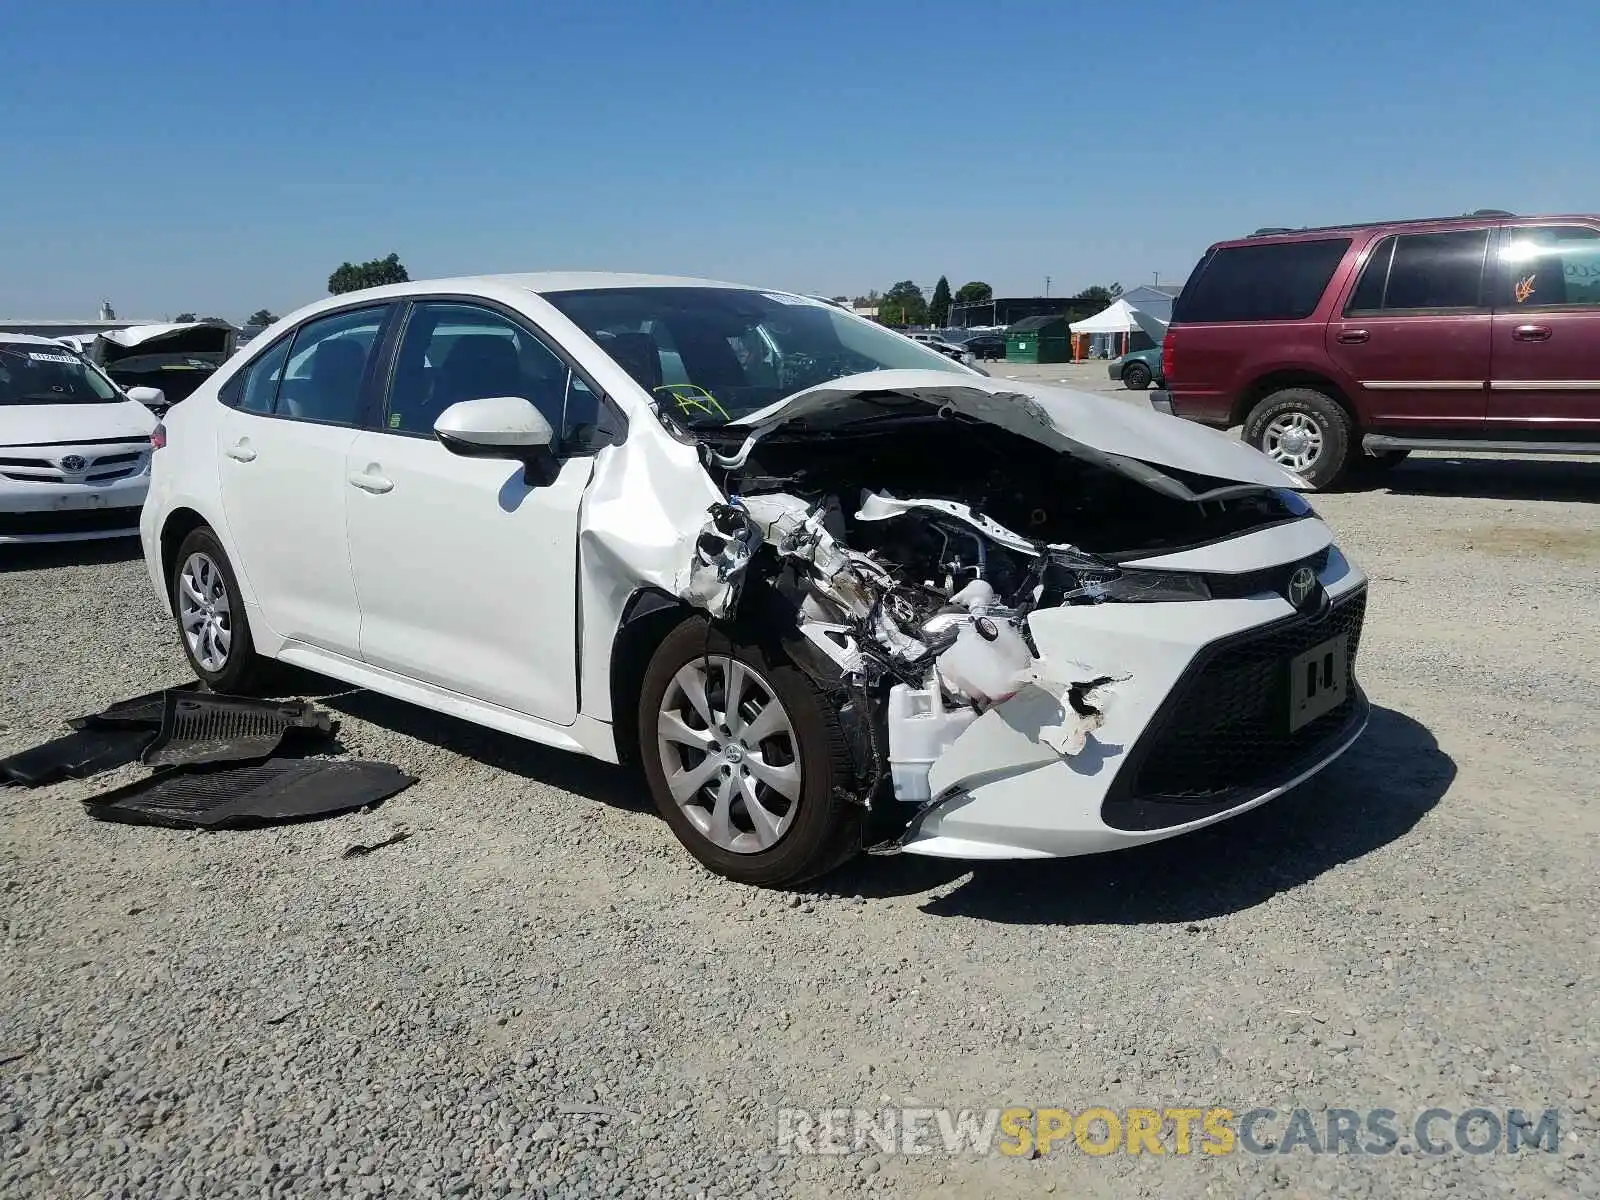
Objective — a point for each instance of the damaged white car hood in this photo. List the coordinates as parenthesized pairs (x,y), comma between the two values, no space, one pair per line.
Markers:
(44,424)
(1135,442)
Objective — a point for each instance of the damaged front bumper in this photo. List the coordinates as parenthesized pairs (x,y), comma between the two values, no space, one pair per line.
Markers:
(1201,728)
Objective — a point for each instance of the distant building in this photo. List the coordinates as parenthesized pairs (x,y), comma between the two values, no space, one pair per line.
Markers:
(1155,299)
(1007,310)
(55,329)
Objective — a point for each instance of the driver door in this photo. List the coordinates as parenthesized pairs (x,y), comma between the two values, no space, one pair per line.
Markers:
(466,572)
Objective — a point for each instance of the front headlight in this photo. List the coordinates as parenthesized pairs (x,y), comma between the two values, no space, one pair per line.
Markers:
(1085,579)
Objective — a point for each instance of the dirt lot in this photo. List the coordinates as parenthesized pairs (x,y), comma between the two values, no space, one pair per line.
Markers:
(539,993)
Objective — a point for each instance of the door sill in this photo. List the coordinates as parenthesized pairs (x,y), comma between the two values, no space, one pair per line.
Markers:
(1377,443)
(585,735)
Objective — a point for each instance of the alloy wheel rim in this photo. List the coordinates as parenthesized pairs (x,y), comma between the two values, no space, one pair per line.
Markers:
(1293,440)
(205,612)
(730,754)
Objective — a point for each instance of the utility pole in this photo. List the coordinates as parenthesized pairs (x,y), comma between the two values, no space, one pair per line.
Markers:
(1158,278)
(1047,285)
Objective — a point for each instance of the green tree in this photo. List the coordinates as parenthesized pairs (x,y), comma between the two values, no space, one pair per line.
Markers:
(1095,297)
(261,316)
(185,318)
(939,307)
(352,277)
(975,292)
(1115,290)
(903,304)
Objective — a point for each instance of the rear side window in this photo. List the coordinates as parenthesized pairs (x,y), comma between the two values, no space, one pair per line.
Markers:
(255,389)
(1418,272)
(1550,266)
(1276,281)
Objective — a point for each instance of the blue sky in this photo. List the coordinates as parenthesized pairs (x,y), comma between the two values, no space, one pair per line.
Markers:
(197,159)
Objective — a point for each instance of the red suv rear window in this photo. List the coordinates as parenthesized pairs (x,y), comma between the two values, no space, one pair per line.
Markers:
(1273,281)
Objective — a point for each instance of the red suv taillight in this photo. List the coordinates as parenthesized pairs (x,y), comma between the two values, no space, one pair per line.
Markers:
(1169,345)
(158,437)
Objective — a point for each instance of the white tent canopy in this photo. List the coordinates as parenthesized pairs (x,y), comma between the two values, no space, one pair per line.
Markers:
(1120,317)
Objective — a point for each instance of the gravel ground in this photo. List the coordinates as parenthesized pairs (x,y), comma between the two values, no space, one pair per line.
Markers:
(539,993)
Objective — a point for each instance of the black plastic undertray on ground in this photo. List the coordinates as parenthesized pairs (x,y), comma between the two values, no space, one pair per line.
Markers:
(242,797)
(174,727)
(136,712)
(201,728)
(77,755)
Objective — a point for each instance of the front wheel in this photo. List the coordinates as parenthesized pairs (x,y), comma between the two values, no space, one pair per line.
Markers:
(1136,376)
(1303,430)
(745,759)
(211,619)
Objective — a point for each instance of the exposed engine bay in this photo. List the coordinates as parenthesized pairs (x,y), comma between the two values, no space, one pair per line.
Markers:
(906,556)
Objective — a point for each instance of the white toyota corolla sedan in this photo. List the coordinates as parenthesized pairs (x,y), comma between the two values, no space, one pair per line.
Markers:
(830,589)
(74,447)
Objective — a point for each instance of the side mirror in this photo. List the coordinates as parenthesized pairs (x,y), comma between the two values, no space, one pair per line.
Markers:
(495,427)
(148,396)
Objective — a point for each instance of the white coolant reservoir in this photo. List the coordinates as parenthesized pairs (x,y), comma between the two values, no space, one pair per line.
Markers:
(989,661)
(921,728)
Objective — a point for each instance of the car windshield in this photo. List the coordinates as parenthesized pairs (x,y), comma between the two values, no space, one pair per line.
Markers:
(39,373)
(711,355)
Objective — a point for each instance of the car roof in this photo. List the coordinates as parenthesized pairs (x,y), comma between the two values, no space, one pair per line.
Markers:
(541,282)
(1478,220)
(28,339)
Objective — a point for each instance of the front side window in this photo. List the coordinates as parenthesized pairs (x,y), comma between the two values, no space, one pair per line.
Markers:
(710,355)
(327,366)
(1550,266)
(39,373)
(453,352)
(1418,272)
(1275,281)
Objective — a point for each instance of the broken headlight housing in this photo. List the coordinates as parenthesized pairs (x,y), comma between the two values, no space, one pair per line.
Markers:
(1087,581)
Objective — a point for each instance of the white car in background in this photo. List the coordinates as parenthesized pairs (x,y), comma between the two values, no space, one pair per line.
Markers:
(74,448)
(816,579)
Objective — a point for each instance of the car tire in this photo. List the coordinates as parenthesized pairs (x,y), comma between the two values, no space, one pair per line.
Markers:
(1304,426)
(801,833)
(209,610)
(1136,376)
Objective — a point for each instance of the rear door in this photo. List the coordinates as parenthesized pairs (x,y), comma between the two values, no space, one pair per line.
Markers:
(289,420)
(1414,333)
(1546,345)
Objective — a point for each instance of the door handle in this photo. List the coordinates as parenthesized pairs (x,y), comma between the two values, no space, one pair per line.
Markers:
(242,451)
(1353,337)
(372,480)
(1531,333)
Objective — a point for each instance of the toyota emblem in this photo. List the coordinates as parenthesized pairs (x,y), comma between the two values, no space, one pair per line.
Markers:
(73,462)
(1301,585)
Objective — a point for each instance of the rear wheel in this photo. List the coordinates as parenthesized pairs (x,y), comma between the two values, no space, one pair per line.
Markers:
(1303,430)
(745,759)
(1136,376)
(211,619)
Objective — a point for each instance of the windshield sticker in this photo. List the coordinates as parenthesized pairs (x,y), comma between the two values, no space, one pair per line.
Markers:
(1524,288)
(692,398)
(38,356)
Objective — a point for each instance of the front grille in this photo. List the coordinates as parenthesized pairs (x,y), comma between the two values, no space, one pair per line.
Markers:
(1223,733)
(104,468)
(89,520)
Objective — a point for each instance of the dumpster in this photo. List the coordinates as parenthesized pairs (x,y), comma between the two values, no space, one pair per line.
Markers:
(1039,340)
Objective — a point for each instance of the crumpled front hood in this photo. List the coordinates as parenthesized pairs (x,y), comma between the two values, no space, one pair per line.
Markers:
(189,337)
(40,424)
(1133,441)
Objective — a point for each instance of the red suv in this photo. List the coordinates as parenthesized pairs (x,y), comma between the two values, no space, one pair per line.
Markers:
(1342,349)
